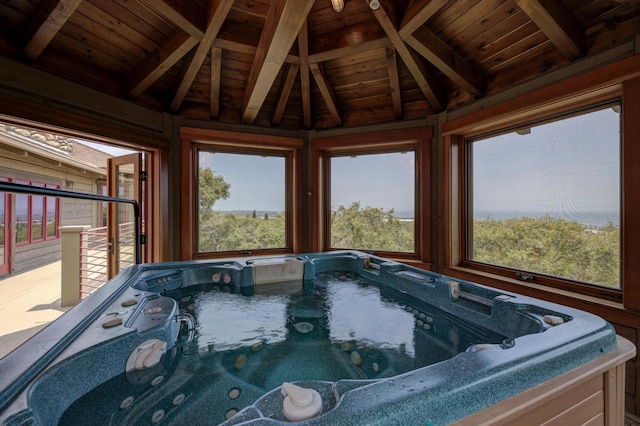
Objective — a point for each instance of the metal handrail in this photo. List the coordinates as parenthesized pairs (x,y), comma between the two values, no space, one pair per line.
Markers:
(19,188)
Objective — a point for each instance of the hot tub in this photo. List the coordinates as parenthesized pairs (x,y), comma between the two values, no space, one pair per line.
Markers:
(366,341)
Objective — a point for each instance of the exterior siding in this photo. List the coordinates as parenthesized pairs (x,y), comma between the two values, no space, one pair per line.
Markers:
(21,164)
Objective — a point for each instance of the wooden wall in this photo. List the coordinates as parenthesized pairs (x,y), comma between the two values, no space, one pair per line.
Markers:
(620,309)
(34,101)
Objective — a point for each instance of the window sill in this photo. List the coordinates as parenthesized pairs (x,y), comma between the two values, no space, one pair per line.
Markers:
(610,310)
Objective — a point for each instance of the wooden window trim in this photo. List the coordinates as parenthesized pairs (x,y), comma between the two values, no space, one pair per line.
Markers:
(195,138)
(609,293)
(414,139)
(618,80)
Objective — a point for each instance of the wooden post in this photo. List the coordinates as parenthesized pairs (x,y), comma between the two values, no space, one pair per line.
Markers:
(70,275)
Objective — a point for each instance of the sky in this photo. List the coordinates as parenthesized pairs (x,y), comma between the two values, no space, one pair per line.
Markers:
(383,180)
(568,166)
(378,180)
(257,182)
(113,150)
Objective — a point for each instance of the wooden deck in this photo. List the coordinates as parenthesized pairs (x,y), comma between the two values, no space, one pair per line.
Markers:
(28,302)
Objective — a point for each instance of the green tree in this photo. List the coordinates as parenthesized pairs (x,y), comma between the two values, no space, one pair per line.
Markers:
(550,246)
(227,231)
(370,228)
(211,188)
(220,231)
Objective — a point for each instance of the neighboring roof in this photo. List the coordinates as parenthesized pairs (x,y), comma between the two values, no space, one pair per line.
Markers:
(90,155)
(55,147)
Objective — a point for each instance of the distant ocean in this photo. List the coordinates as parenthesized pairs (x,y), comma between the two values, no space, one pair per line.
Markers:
(586,218)
(403,214)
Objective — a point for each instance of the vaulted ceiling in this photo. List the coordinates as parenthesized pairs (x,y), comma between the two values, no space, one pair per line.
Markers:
(298,64)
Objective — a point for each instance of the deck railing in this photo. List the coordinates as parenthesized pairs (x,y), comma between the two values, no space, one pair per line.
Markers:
(94,248)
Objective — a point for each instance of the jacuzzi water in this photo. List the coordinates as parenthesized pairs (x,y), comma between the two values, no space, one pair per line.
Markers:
(209,342)
(319,334)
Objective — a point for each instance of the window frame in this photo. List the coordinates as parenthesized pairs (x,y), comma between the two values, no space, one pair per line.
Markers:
(620,80)
(195,139)
(538,277)
(416,140)
(30,198)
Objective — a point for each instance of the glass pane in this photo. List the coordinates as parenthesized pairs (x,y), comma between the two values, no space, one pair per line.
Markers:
(547,199)
(102,206)
(37,203)
(52,214)
(241,199)
(125,217)
(22,216)
(37,215)
(373,202)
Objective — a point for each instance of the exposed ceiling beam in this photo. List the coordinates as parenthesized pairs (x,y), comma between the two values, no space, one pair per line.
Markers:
(235,46)
(327,93)
(159,62)
(219,9)
(633,3)
(394,82)
(282,26)
(216,68)
(305,83)
(167,55)
(348,35)
(417,69)
(557,22)
(163,8)
(284,94)
(44,23)
(417,13)
(349,51)
(436,51)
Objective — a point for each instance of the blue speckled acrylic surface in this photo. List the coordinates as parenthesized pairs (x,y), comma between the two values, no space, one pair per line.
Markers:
(42,378)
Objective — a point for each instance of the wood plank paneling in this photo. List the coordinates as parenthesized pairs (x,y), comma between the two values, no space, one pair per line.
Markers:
(581,396)
(133,46)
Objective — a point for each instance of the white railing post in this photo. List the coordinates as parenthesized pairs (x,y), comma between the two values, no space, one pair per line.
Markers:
(70,274)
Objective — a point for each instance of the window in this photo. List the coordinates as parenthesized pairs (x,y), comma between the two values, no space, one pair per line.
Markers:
(101,219)
(243,194)
(241,201)
(545,198)
(52,220)
(372,199)
(37,217)
(23,217)
(372,193)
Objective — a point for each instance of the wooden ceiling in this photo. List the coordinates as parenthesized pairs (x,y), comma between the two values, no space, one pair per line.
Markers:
(297,64)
